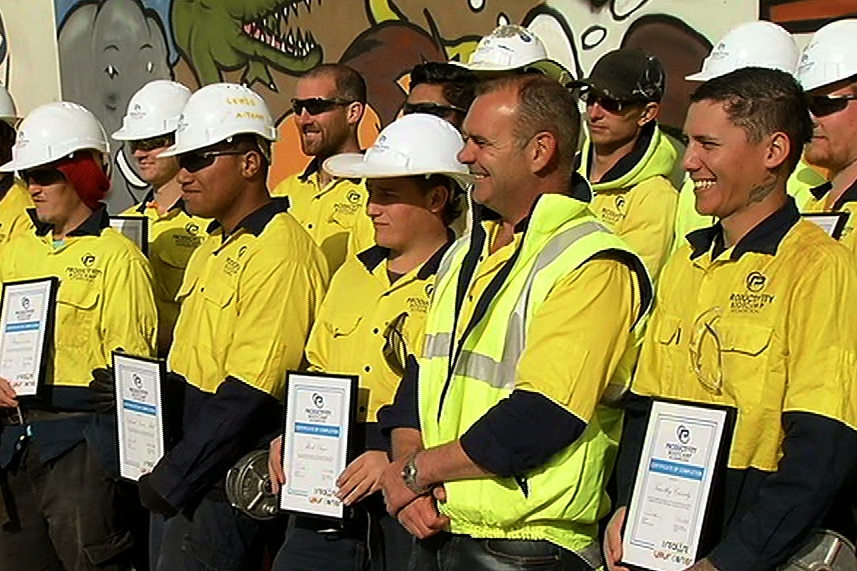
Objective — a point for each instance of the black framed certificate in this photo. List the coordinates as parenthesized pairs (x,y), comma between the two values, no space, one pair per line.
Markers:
(139,413)
(831,222)
(684,453)
(27,315)
(317,441)
(135,228)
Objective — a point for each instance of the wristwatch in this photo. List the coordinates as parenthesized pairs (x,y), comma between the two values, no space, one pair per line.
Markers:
(409,476)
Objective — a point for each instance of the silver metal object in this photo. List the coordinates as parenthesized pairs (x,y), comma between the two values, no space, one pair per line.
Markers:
(248,486)
(825,551)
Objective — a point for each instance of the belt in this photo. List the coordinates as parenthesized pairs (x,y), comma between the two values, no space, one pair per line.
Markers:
(19,417)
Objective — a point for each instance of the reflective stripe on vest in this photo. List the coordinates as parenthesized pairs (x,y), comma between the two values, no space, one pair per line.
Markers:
(501,374)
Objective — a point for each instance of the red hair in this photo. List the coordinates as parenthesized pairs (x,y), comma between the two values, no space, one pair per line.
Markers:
(87,176)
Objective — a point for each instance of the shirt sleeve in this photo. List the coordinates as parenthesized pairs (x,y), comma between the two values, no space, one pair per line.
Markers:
(587,319)
(403,412)
(130,319)
(819,457)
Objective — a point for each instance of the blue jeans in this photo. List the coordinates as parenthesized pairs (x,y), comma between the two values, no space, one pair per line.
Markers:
(448,552)
(380,545)
(216,537)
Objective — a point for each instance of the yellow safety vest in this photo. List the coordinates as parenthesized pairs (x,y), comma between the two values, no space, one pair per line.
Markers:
(565,498)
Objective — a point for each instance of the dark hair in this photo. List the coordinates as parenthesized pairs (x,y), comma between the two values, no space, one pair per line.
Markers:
(459,84)
(543,105)
(457,201)
(762,102)
(350,85)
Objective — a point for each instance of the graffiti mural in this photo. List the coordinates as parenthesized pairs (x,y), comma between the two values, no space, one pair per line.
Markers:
(109,48)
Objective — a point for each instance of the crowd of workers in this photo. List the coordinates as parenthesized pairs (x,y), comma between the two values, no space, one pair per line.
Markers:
(510,272)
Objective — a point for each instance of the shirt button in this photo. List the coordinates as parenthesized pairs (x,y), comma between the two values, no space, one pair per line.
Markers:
(202,289)
(469,298)
(367,368)
(375,331)
(309,225)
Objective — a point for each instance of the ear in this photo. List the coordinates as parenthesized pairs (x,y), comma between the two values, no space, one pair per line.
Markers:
(541,150)
(437,198)
(251,164)
(355,112)
(779,148)
(650,113)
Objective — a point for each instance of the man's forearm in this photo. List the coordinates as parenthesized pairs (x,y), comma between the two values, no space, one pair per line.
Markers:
(405,441)
(446,463)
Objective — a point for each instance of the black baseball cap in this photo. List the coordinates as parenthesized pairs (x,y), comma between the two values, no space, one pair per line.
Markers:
(627,75)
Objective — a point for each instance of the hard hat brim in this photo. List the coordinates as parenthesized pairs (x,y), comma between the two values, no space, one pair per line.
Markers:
(354,165)
(549,67)
(130,135)
(699,76)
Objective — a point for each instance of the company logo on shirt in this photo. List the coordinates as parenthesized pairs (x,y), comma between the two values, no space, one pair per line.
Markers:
(241,251)
(353,197)
(192,228)
(752,300)
(86,273)
(231,266)
(429,289)
(756,281)
(190,239)
(418,304)
(620,203)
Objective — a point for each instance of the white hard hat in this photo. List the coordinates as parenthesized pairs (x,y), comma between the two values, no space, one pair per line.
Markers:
(416,144)
(510,47)
(217,112)
(8,113)
(751,44)
(830,55)
(54,131)
(153,111)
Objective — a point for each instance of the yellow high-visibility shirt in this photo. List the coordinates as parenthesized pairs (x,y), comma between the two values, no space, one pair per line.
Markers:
(753,327)
(104,301)
(819,201)
(334,214)
(13,212)
(248,301)
(173,237)
(348,336)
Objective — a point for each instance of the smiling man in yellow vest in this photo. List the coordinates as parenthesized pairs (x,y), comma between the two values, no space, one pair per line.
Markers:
(530,320)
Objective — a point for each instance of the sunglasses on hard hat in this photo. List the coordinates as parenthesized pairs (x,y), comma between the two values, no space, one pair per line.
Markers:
(198,160)
(591,97)
(430,108)
(43,176)
(317,105)
(823,105)
(151,143)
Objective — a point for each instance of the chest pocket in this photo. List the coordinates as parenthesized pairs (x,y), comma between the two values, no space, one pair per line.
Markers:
(670,358)
(343,324)
(220,293)
(77,312)
(747,359)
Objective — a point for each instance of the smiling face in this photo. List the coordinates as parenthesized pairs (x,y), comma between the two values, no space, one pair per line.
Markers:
(834,136)
(210,191)
(156,171)
(492,152)
(723,163)
(323,134)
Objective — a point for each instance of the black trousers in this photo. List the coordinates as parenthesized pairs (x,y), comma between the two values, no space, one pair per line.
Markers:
(64,514)
(448,552)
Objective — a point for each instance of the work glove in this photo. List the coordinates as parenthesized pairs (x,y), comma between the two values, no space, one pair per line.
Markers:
(152,500)
(103,390)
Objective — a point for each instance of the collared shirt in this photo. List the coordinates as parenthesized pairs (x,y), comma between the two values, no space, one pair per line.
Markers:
(104,301)
(173,236)
(349,335)
(751,327)
(14,202)
(333,214)
(248,301)
(847,202)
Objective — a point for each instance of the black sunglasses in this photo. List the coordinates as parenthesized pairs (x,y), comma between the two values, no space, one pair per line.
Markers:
(430,108)
(151,143)
(317,105)
(823,105)
(192,162)
(591,97)
(42,176)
